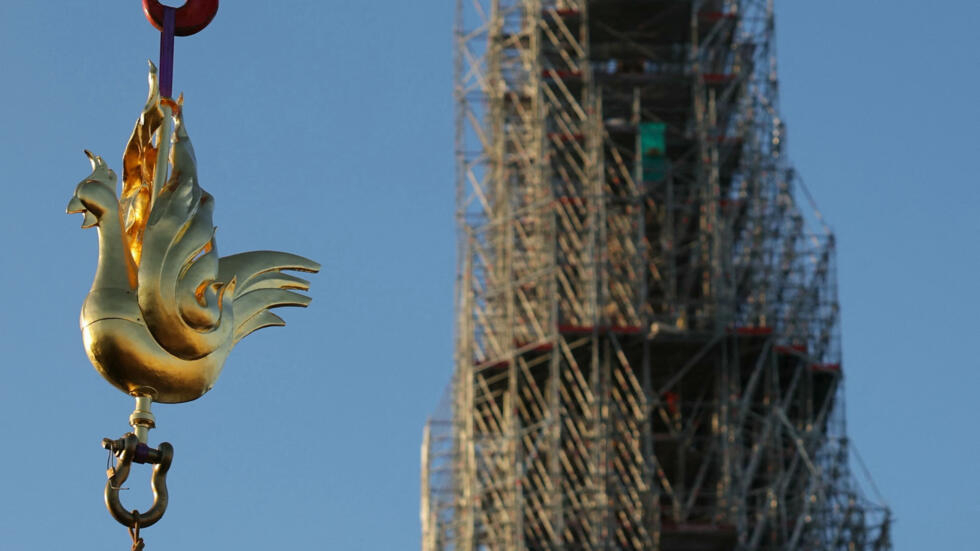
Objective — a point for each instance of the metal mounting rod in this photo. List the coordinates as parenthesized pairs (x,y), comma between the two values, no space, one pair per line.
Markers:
(142,419)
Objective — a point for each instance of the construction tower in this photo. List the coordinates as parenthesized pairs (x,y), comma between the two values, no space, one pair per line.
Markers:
(647,350)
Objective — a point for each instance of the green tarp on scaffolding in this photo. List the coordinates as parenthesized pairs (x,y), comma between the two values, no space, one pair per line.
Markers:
(653,144)
(652,139)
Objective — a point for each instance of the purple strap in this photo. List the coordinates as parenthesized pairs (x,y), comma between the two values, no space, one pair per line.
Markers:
(167,52)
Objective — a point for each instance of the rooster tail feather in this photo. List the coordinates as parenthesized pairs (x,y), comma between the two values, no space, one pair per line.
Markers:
(256,304)
(258,269)
(261,284)
(263,319)
(278,280)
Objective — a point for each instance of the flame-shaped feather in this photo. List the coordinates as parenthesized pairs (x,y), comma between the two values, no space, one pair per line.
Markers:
(139,168)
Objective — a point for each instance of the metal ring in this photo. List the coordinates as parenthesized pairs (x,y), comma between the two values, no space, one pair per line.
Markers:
(190,18)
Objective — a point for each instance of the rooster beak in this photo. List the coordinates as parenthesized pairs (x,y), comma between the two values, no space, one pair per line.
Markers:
(75,206)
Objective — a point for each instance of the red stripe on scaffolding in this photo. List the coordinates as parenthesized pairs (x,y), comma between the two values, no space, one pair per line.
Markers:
(554,73)
(536,347)
(716,15)
(616,329)
(825,368)
(493,364)
(717,78)
(752,331)
(564,12)
(791,349)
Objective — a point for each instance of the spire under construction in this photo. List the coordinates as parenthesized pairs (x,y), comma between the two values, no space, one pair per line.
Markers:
(647,350)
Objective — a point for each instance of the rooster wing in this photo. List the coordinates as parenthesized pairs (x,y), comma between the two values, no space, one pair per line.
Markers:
(186,305)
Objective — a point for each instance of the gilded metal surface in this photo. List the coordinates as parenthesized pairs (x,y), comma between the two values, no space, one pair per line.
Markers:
(164,310)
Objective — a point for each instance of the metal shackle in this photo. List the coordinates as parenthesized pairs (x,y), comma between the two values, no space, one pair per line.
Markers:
(129,450)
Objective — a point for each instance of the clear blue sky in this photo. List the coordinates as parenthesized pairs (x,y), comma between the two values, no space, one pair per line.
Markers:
(325,128)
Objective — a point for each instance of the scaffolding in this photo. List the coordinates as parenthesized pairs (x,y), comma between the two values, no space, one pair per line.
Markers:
(647,350)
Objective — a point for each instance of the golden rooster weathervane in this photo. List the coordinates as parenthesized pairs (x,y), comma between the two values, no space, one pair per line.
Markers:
(165,310)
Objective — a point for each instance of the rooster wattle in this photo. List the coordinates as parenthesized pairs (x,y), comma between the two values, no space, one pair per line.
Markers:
(164,310)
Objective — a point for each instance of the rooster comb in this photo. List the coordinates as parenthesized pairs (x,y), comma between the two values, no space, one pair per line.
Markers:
(100,170)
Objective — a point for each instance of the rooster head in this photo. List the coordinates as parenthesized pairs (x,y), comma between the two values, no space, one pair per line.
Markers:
(95,195)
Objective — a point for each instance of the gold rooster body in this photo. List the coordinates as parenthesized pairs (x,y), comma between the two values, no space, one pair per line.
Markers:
(164,310)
